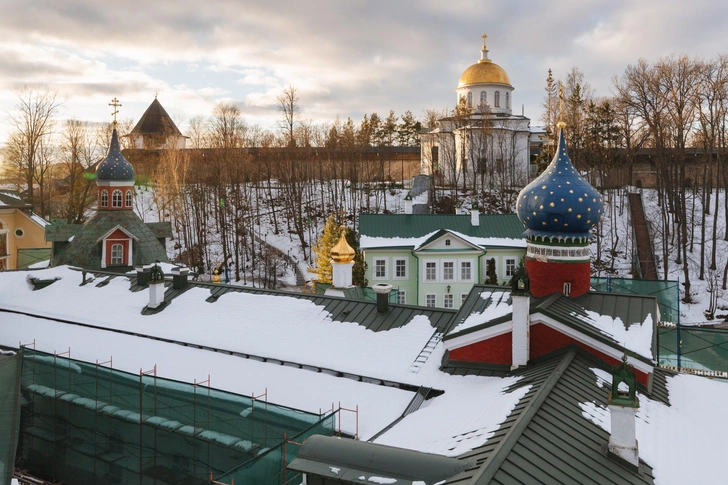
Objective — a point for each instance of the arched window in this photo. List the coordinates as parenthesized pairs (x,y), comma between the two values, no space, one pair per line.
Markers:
(470,100)
(484,98)
(128,198)
(117,254)
(508,100)
(496,99)
(116,198)
(104,198)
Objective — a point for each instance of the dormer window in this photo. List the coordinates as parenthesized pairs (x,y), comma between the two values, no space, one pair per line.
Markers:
(116,198)
(496,99)
(129,198)
(104,198)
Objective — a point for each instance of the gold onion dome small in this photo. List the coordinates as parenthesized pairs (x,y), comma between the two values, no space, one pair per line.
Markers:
(342,252)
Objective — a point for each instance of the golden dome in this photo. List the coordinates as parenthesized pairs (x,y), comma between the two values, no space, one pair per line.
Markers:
(485,71)
(342,252)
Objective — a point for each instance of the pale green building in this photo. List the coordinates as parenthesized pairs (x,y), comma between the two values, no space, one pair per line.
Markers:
(435,259)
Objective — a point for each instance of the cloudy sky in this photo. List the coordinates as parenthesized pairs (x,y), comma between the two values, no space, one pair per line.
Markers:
(346,57)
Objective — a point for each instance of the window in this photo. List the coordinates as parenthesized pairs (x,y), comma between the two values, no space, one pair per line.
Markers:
(402,297)
(447,242)
(430,300)
(448,270)
(496,99)
(448,301)
(104,198)
(117,254)
(463,297)
(400,268)
(430,271)
(116,198)
(380,268)
(19,232)
(483,98)
(567,289)
(508,100)
(510,266)
(128,198)
(465,271)
(470,100)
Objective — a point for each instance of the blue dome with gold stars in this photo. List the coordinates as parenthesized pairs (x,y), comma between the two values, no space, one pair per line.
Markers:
(115,167)
(559,201)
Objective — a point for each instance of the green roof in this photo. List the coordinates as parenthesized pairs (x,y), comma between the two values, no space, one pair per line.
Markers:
(85,249)
(418,225)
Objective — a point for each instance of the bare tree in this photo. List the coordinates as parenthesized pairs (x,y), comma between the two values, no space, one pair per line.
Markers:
(33,122)
(288,106)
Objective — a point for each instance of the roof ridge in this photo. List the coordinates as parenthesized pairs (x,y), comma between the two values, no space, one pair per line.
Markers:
(487,473)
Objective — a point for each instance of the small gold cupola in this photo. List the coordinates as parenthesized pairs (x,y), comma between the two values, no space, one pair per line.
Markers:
(342,252)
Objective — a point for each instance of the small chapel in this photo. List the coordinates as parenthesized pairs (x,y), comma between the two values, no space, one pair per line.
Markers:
(115,238)
(481,143)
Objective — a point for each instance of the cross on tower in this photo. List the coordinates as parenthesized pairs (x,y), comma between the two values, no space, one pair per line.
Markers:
(484,37)
(116,104)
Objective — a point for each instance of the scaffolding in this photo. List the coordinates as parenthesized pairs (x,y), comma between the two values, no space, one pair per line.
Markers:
(87,423)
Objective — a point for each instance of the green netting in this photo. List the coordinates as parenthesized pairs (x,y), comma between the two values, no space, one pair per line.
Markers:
(88,424)
(9,414)
(667,292)
(700,348)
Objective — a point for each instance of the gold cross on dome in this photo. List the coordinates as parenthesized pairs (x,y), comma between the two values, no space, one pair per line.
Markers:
(116,104)
(484,37)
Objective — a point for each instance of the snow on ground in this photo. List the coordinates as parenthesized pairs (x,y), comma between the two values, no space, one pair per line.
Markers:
(617,230)
(694,423)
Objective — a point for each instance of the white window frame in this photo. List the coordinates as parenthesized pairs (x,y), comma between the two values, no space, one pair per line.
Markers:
(376,269)
(470,264)
(114,198)
(129,197)
(450,303)
(427,278)
(496,99)
(463,297)
(506,261)
(428,297)
(508,100)
(454,274)
(117,260)
(470,100)
(484,98)
(396,269)
(402,297)
(104,198)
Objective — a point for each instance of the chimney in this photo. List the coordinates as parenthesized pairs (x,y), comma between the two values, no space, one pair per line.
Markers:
(623,405)
(156,286)
(179,277)
(143,274)
(408,203)
(382,290)
(475,214)
(521,320)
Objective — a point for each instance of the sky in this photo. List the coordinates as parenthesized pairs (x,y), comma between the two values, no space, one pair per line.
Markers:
(346,58)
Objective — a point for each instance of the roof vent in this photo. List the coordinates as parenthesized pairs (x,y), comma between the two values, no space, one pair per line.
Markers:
(475,214)
(623,405)
(382,290)
(179,277)
(156,286)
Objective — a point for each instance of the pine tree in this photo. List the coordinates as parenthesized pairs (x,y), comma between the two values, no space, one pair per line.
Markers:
(360,266)
(322,250)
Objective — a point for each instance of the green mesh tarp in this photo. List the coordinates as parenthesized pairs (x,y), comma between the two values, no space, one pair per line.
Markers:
(666,292)
(700,348)
(9,414)
(88,424)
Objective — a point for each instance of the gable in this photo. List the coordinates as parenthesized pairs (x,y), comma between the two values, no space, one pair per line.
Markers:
(447,241)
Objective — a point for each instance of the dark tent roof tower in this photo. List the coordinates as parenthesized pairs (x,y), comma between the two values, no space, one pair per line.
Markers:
(155,121)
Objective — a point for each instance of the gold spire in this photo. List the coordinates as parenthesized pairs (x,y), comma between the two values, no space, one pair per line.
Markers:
(484,51)
(561,125)
(116,104)
(342,252)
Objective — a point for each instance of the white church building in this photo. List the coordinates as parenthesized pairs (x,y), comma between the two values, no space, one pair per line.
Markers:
(480,144)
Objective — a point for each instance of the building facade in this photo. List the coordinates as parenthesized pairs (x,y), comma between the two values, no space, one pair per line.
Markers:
(481,143)
(434,260)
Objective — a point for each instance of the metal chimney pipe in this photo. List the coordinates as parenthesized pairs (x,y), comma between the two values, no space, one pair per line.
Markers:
(382,290)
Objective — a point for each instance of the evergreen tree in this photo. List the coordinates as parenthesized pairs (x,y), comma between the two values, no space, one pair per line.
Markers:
(322,250)
(492,277)
(360,266)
